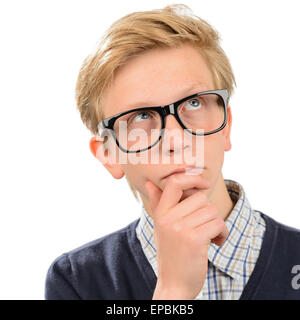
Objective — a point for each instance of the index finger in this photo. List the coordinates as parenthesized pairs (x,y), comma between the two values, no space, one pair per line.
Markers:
(175,186)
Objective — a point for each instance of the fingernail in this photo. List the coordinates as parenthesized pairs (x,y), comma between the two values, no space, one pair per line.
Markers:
(193,171)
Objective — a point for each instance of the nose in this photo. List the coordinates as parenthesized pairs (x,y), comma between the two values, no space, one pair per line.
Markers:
(173,138)
(172,123)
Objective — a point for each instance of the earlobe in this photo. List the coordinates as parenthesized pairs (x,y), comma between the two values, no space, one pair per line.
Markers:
(227,144)
(100,151)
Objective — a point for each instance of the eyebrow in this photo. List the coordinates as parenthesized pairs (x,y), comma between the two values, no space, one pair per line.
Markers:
(190,90)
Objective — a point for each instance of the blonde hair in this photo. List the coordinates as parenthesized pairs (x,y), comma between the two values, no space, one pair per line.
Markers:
(132,35)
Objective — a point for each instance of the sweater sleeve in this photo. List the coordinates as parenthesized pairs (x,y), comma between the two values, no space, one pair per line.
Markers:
(60,280)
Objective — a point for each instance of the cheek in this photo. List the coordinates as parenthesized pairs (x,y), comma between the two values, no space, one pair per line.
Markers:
(133,172)
(214,151)
(139,173)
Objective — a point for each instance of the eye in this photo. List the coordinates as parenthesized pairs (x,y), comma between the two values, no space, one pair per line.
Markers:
(143,115)
(193,104)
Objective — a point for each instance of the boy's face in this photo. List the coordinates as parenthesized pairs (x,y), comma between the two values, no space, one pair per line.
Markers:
(160,77)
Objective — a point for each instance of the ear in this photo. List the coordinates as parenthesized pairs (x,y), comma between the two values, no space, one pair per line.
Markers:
(227,130)
(101,151)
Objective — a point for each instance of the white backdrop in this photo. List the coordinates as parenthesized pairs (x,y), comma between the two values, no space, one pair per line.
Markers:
(55,196)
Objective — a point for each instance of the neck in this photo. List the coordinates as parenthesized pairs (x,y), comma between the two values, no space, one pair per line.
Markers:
(221,198)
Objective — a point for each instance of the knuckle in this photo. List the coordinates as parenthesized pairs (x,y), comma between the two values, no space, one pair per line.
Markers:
(202,197)
(177,227)
(172,180)
(212,210)
(162,223)
(191,238)
(220,223)
(196,239)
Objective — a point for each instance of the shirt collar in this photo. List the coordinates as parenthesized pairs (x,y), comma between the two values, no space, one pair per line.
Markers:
(230,257)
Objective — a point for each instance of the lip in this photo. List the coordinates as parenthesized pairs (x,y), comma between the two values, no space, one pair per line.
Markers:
(185,169)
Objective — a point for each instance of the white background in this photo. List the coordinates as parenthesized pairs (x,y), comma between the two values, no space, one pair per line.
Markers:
(55,196)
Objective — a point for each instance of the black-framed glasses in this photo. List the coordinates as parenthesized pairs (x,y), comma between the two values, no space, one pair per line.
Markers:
(201,114)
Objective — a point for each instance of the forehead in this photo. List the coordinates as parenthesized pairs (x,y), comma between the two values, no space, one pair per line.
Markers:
(157,77)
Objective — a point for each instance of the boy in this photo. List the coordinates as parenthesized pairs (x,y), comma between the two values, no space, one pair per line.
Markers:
(156,73)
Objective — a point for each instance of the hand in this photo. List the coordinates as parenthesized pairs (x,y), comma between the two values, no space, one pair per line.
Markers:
(182,233)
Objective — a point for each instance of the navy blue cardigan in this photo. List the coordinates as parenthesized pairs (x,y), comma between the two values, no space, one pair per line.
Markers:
(115,267)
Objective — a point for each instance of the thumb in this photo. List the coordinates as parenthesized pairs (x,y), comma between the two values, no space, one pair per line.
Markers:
(154,194)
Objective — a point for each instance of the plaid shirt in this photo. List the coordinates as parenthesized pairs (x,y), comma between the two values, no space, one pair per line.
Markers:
(230,265)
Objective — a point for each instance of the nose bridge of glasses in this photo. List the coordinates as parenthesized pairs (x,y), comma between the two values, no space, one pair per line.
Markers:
(168,109)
